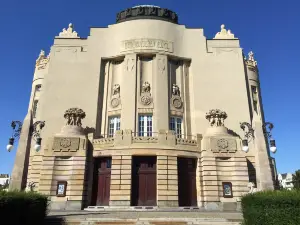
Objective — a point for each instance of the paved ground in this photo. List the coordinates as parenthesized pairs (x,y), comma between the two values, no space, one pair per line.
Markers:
(143,218)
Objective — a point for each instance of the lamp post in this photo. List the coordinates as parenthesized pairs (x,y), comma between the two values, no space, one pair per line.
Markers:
(35,131)
(249,133)
(267,128)
(17,127)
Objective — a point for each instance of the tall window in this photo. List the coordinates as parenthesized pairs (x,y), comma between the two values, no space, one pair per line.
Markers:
(114,124)
(176,125)
(255,98)
(145,125)
(34,109)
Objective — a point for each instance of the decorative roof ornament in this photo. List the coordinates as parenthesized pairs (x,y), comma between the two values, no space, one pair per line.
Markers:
(42,60)
(69,32)
(74,116)
(216,117)
(251,63)
(224,34)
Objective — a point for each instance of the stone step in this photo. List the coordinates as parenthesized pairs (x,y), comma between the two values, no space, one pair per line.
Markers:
(142,221)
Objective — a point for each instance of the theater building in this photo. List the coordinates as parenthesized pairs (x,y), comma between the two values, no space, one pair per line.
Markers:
(144,113)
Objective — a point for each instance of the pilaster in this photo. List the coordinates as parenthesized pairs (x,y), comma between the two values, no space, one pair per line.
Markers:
(161,93)
(120,185)
(167,181)
(128,93)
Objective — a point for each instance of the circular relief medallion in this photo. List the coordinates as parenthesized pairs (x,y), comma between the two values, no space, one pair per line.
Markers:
(176,101)
(222,143)
(65,143)
(146,100)
(115,102)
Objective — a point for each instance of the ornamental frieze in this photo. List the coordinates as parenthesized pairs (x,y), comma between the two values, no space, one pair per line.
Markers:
(223,145)
(66,144)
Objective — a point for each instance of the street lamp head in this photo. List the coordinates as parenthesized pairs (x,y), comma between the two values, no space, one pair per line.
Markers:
(37,146)
(10,145)
(245,146)
(273,147)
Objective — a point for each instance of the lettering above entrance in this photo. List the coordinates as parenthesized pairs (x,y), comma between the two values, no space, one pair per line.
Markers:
(147,44)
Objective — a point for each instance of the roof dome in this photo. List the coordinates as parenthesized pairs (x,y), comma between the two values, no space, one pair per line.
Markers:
(147,12)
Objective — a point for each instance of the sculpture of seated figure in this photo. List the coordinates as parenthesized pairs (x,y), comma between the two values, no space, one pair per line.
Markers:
(146,87)
(175,90)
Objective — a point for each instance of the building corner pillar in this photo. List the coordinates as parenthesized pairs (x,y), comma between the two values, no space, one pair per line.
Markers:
(20,169)
(262,160)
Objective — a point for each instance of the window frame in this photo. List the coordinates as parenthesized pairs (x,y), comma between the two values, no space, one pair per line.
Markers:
(147,125)
(111,130)
(178,130)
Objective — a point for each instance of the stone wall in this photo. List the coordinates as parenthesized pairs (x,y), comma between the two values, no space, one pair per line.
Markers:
(167,181)
(120,186)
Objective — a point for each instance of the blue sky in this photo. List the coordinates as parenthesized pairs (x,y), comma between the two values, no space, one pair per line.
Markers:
(270,28)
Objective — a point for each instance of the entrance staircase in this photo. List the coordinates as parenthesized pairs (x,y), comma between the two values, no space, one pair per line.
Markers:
(145,218)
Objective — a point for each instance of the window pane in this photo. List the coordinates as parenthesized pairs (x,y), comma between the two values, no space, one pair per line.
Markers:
(172,124)
(141,125)
(149,125)
(178,127)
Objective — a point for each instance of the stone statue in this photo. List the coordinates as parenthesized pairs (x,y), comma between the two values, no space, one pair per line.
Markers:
(146,87)
(216,117)
(175,90)
(69,32)
(74,117)
(224,34)
(251,187)
(42,60)
(116,89)
(251,61)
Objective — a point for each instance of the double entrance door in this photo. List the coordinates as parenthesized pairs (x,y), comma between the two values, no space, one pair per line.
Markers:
(143,189)
(101,188)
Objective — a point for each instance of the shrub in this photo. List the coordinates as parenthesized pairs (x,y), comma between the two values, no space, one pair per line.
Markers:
(22,208)
(272,208)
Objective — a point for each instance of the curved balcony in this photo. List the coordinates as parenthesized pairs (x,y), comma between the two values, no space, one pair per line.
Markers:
(164,139)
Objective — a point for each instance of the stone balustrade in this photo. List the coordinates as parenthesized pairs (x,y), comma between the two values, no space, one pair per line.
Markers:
(162,138)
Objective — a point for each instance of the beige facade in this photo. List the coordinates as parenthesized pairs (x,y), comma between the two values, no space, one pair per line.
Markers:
(147,87)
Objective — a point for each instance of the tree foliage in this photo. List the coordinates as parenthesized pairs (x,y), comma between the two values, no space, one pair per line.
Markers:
(296,179)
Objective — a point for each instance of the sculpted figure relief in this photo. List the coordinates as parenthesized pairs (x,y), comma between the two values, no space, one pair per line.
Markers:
(216,117)
(146,87)
(74,116)
(116,89)
(175,90)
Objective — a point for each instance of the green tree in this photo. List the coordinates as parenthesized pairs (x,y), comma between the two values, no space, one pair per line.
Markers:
(296,179)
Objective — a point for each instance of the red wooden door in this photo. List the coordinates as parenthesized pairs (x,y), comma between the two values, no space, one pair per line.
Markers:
(187,192)
(104,172)
(144,181)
